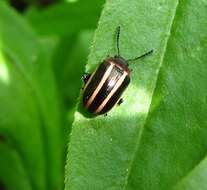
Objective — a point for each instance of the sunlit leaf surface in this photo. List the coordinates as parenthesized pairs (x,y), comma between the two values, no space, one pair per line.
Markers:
(157,138)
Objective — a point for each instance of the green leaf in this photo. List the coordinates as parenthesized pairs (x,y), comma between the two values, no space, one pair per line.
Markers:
(29,104)
(19,120)
(195,179)
(158,136)
(65,18)
(12,168)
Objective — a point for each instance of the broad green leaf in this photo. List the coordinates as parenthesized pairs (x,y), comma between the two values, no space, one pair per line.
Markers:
(29,107)
(158,136)
(65,18)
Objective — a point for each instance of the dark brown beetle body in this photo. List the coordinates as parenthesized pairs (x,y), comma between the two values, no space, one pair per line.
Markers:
(104,87)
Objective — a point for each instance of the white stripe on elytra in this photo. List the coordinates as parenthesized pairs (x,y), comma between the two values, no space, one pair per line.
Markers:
(103,80)
(117,85)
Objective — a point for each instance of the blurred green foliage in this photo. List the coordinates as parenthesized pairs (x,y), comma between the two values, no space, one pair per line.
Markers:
(40,48)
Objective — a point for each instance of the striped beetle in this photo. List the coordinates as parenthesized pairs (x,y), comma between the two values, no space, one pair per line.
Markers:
(104,87)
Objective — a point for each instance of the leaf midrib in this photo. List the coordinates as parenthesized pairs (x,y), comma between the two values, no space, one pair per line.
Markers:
(155,84)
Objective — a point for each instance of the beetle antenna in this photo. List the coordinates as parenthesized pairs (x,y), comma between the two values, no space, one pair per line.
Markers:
(141,56)
(117,39)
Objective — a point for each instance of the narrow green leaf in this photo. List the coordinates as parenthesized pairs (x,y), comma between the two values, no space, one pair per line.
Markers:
(65,18)
(159,133)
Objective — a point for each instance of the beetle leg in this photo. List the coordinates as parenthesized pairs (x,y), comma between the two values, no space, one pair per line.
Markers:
(120,101)
(85,77)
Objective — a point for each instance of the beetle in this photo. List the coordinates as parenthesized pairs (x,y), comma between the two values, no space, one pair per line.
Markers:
(104,87)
